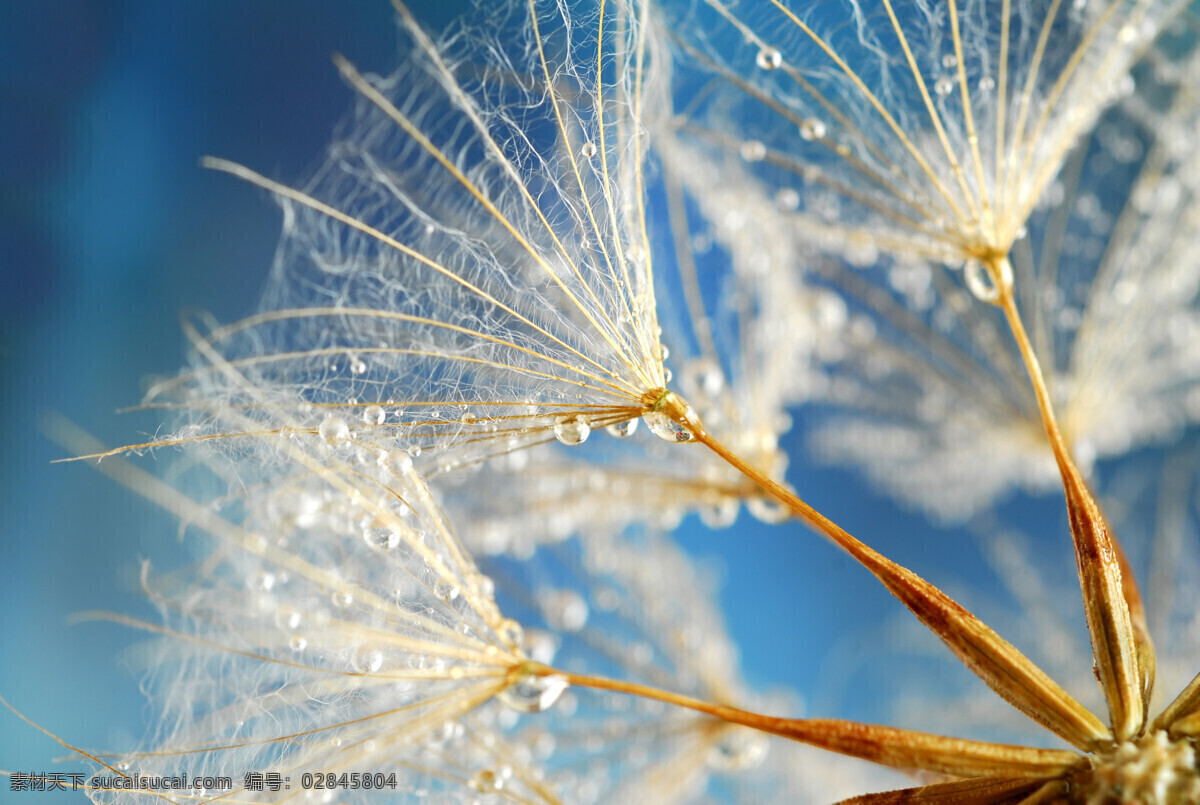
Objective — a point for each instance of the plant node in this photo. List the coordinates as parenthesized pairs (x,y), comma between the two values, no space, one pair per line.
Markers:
(1151,769)
(671,418)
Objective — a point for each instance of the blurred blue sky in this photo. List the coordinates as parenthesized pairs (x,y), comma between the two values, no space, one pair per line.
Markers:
(109,230)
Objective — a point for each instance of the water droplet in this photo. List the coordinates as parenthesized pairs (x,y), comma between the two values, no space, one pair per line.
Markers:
(357,366)
(565,610)
(341,598)
(381,539)
(446,589)
(949,61)
(264,580)
(374,415)
(787,199)
(812,128)
(334,430)
(367,661)
(540,646)
(737,749)
(720,515)
(753,151)
(768,58)
(487,782)
(622,430)
(298,643)
(510,633)
(987,84)
(944,86)
(288,619)
(769,511)
(666,428)
(442,735)
(588,150)
(703,378)
(533,693)
(572,430)
(484,585)
(981,283)
(400,461)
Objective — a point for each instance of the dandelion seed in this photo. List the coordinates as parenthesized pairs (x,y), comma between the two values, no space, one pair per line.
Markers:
(945,164)
(551,312)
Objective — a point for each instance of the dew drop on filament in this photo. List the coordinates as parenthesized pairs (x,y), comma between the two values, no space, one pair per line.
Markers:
(769,59)
(572,430)
(753,151)
(982,284)
(367,661)
(666,428)
(534,693)
(511,633)
(374,415)
(400,461)
(622,430)
(446,589)
(382,539)
(812,128)
(334,430)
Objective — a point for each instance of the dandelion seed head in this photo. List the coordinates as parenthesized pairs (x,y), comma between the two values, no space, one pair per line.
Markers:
(915,336)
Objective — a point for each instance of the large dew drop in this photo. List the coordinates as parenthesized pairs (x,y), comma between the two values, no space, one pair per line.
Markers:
(666,428)
(334,430)
(572,430)
(534,693)
(622,430)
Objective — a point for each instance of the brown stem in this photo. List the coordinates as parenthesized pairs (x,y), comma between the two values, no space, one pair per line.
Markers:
(1116,619)
(904,749)
(1013,676)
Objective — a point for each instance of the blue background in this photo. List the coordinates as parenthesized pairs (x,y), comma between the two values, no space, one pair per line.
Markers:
(109,230)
